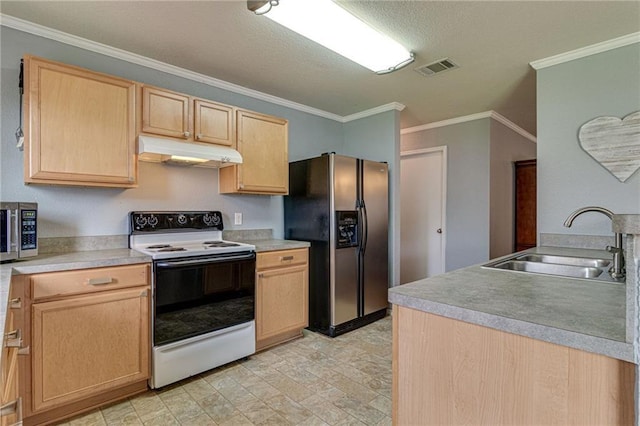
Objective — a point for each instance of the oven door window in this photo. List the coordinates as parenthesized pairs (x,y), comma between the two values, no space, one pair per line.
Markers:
(190,300)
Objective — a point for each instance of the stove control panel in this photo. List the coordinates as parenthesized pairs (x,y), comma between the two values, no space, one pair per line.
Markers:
(143,222)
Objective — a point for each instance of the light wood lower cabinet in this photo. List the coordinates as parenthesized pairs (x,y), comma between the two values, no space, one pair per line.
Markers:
(282,296)
(89,338)
(451,372)
(11,412)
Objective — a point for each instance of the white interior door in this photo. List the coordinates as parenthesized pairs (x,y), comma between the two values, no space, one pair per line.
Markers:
(423,192)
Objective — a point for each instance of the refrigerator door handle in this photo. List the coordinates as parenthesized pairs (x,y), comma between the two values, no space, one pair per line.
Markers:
(360,228)
(365,228)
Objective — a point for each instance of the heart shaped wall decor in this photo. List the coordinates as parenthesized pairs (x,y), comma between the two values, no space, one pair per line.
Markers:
(614,143)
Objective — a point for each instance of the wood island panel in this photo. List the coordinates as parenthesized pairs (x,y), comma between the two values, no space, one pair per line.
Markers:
(451,372)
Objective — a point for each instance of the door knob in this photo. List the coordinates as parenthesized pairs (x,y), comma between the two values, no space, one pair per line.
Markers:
(439,230)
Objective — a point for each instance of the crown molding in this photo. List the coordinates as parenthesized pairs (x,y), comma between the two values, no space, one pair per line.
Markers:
(586,51)
(448,122)
(397,106)
(62,37)
(510,124)
(478,116)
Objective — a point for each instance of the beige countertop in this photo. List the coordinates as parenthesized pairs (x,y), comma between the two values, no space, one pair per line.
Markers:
(579,313)
(100,258)
(271,244)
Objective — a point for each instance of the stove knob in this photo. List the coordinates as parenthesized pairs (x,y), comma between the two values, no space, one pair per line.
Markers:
(141,221)
(182,219)
(153,221)
(216,220)
(208,219)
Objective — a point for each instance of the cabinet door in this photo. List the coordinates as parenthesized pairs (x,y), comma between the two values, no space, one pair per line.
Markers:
(263,142)
(282,301)
(165,113)
(85,345)
(9,383)
(79,126)
(213,123)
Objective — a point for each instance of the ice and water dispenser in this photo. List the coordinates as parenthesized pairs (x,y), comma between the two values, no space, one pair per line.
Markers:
(347,232)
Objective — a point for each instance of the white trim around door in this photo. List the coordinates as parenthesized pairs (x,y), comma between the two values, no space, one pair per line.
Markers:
(443,150)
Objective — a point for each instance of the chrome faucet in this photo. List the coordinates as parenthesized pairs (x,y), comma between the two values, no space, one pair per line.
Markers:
(617,270)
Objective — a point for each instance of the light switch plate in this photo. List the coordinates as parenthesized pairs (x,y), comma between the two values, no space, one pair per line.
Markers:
(237,219)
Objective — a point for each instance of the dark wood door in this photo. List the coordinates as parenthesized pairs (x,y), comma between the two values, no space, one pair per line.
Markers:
(525,205)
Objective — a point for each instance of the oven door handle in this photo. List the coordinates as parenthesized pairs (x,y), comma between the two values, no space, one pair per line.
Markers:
(178,263)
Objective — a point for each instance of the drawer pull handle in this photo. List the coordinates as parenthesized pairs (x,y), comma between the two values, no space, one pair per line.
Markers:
(100,281)
(13,407)
(13,339)
(286,258)
(15,303)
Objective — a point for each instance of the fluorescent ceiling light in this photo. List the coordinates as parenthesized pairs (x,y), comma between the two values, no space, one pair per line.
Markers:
(328,24)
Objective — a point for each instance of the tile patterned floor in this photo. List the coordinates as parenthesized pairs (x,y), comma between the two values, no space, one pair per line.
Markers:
(314,380)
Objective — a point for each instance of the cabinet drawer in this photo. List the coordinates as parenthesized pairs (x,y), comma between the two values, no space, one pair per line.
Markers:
(56,284)
(274,259)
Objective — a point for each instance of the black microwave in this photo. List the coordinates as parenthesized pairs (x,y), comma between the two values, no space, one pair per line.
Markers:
(18,230)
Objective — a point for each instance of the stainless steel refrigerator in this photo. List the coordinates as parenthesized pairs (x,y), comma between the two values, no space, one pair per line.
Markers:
(341,206)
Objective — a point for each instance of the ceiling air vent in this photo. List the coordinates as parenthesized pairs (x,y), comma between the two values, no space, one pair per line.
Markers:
(436,67)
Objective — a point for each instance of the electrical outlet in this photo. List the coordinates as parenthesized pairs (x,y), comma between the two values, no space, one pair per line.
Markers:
(237,219)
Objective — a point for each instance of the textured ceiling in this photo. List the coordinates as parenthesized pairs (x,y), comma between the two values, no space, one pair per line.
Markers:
(493,42)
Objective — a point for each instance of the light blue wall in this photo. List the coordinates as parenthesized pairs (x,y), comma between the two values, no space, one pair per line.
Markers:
(467,221)
(569,95)
(378,138)
(73,211)
(506,147)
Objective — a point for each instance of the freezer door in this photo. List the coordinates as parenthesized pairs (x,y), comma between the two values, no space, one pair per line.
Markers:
(375,239)
(344,262)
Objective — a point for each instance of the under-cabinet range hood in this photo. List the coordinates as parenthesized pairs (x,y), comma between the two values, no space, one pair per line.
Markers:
(171,151)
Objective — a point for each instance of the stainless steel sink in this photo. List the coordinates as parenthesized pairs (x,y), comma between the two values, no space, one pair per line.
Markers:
(565,260)
(550,268)
(556,264)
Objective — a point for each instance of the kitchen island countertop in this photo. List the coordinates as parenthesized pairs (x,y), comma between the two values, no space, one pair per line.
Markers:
(583,314)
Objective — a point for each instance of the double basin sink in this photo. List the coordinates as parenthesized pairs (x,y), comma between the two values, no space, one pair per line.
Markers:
(558,265)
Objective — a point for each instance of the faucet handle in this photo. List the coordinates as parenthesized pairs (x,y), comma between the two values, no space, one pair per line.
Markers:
(612,249)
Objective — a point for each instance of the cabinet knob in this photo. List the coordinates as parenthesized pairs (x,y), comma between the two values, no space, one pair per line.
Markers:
(15,303)
(286,258)
(13,339)
(186,134)
(198,136)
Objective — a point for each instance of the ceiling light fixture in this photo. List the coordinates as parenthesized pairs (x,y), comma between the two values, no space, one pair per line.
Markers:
(328,24)
(261,7)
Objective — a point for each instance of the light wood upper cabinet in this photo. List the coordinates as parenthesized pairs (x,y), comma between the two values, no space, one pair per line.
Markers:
(165,113)
(262,140)
(79,126)
(176,115)
(282,296)
(213,123)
